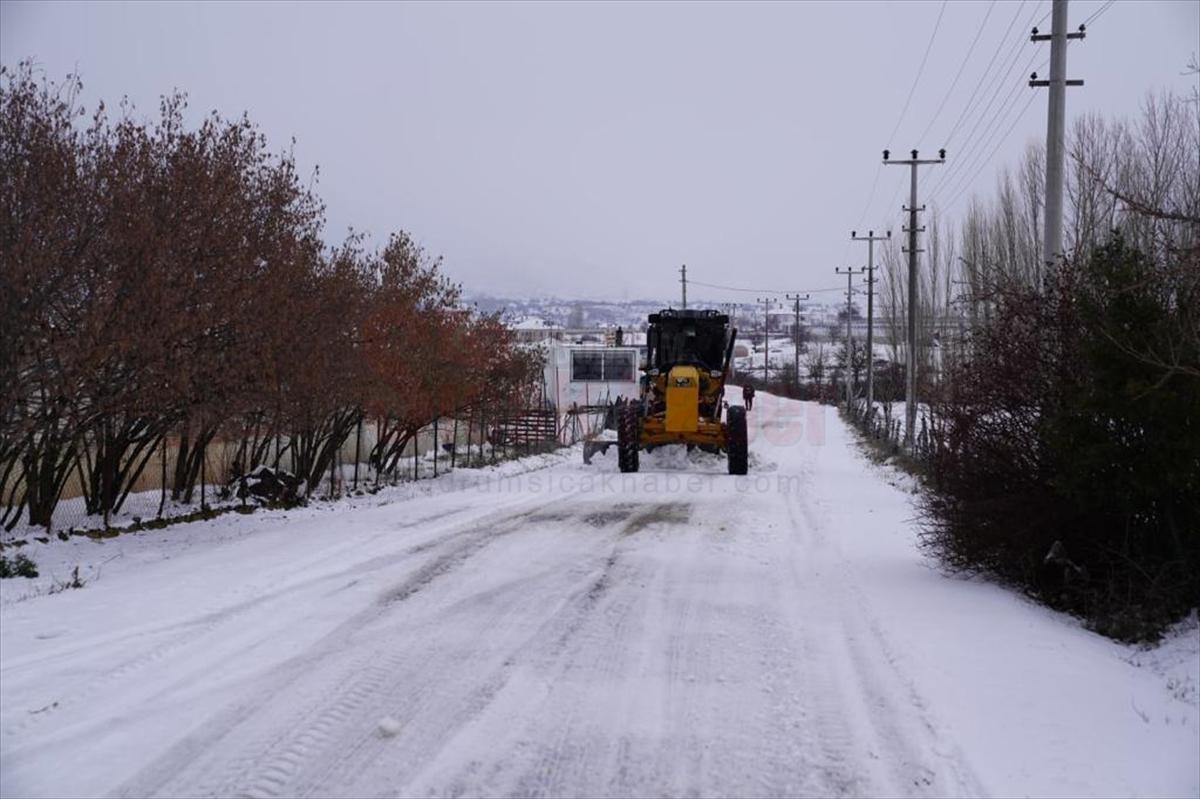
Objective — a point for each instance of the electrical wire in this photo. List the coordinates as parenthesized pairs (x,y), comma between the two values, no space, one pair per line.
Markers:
(983,76)
(1097,14)
(916,80)
(1002,76)
(977,147)
(997,119)
(961,186)
(920,70)
(958,74)
(955,187)
(761,291)
(996,149)
(951,182)
(874,184)
(985,79)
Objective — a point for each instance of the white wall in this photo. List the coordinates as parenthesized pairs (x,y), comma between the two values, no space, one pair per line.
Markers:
(563,391)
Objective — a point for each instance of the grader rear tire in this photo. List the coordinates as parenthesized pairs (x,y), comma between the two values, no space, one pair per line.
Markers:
(739,454)
(627,438)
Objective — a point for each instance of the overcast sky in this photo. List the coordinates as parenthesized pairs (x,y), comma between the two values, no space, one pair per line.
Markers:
(589,150)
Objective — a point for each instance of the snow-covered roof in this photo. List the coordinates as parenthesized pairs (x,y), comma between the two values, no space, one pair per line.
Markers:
(532,323)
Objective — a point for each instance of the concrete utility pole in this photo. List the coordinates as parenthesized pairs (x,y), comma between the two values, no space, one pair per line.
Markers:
(910,389)
(795,298)
(849,273)
(870,239)
(683,282)
(766,301)
(1056,123)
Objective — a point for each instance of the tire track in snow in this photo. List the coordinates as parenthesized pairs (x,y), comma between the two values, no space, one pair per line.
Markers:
(904,742)
(429,762)
(342,720)
(546,644)
(182,634)
(342,733)
(191,632)
(460,545)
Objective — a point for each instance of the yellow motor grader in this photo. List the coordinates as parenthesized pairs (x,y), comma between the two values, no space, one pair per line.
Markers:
(683,391)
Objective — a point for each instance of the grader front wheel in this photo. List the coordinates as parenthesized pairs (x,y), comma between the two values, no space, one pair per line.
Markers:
(627,438)
(737,444)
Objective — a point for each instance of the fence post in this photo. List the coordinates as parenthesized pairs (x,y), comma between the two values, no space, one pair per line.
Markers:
(357,450)
(503,435)
(203,463)
(454,440)
(435,446)
(482,427)
(379,462)
(416,439)
(162,498)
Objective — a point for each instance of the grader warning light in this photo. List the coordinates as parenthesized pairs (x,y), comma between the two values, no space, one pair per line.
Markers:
(682,396)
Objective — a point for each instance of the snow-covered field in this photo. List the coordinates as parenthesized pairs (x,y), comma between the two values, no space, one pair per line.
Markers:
(550,628)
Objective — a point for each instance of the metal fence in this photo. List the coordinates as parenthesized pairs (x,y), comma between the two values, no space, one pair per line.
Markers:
(884,424)
(455,442)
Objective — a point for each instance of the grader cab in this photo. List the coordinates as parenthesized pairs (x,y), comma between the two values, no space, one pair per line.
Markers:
(683,391)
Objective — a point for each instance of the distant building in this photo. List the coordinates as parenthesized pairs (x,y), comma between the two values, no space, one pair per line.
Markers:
(532,329)
(583,375)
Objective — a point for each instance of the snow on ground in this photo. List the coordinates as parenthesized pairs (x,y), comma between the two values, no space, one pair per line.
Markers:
(106,557)
(552,628)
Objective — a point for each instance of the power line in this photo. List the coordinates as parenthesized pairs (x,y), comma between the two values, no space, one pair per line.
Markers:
(970,156)
(967,184)
(1096,15)
(980,159)
(994,89)
(761,291)
(870,196)
(985,79)
(983,76)
(957,187)
(900,182)
(920,69)
(958,75)
(1001,77)
(951,181)
(903,111)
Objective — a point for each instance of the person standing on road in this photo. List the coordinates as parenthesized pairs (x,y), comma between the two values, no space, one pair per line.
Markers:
(748,396)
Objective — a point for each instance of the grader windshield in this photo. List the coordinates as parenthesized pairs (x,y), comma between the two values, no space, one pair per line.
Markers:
(699,338)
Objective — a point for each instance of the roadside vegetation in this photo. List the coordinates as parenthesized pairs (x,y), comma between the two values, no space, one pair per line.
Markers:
(1058,427)
(1060,443)
(1071,460)
(163,284)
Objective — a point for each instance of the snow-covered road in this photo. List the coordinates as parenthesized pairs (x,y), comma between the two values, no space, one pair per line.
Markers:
(568,630)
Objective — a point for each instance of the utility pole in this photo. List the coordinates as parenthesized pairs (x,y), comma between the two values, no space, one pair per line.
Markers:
(766,301)
(1052,243)
(795,298)
(683,283)
(870,239)
(849,273)
(910,389)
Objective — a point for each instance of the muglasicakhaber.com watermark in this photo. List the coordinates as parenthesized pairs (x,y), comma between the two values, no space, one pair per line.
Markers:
(624,484)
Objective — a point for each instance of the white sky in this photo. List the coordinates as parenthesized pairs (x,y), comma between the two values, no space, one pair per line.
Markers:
(589,149)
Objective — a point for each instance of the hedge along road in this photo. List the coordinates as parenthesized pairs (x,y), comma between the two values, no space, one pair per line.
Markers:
(573,631)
